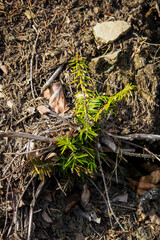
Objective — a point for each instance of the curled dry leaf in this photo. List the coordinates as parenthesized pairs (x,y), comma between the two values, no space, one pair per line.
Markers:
(153,178)
(121,198)
(56,98)
(85,197)
(140,186)
(71,201)
(144,186)
(46,217)
(52,156)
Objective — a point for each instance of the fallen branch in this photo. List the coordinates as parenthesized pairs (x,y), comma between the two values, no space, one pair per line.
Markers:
(44,110)
(32,205)
(139,136)
(53,76)
(109,207)
(24,135)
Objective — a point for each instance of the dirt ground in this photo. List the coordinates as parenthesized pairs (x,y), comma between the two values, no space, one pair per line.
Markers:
(36,37)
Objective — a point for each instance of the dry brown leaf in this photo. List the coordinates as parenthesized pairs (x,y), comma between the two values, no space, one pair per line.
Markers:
(155,176)
(140,186)
(85,196)
(145,186)
(47,93)
(121,198)
(71,201)
(56,98)
(46,217)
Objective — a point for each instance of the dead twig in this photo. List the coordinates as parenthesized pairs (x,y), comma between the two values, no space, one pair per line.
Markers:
(32,205)
(53,76)
(139,136)
(59,185)
(74,126)
(109,207)
(44,110)
(131,137)
(25,135)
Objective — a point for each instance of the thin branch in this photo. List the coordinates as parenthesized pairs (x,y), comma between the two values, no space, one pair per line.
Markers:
(53,76)
(44,110)
(25,135)
(106,191)
(32,205)
(139,136)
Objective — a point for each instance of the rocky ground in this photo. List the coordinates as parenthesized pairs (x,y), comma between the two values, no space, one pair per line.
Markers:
(36,37)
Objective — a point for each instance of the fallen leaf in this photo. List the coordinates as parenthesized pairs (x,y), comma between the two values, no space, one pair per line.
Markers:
(145,186)
(46,217)
(154,177)
(85,196)
(109,142)
(139,186)
(56,98)
(121,198)
(72,201)
(52,156)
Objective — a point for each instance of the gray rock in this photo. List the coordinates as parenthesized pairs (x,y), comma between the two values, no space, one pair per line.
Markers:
(110,58)
(108,32)
(139,62)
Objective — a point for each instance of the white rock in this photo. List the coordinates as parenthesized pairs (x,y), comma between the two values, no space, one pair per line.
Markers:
(111,58)
(139,62)
(110,31)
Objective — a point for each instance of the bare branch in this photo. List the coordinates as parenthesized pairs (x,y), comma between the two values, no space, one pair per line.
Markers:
(139,136)
(24,135)
(53,76)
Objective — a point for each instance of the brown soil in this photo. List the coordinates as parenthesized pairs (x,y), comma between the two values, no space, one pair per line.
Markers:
(30,51)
